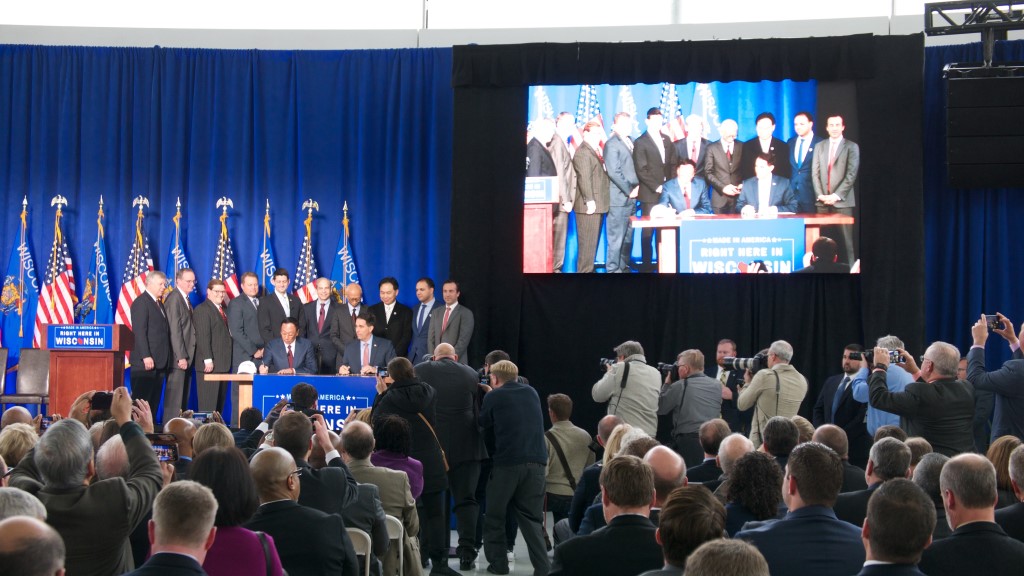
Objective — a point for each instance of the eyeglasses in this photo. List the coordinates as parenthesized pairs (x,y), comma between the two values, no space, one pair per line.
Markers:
(924,359)
(296,472)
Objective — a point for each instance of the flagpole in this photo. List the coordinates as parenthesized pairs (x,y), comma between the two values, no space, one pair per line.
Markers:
(21,269)
(266,238)
(96,259)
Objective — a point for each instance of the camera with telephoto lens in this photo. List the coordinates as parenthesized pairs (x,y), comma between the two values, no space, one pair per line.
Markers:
(756,364)
(605,362)
(666,367)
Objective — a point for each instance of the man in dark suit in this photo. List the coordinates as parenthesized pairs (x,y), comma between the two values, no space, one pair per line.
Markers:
(890,459)
(562,152)
(731,380)
(458,396)
(899,524)
(421,320)
(592,195)
(694,146)
(623,188)
(689,517)
(538,158)
(309,542)
(684,193)
(765,143)
(289,354)
(183,342)
(711,434)
(151,356)
(343,329)
(977,545)
(722,169)
(278,305)
(1004,383)
(654,157)
(243,324)
(833,174)
(366,353)
(29,546)
(453,324)
(588,485)
(1011,518)
(809,539)
(394,319)
(319,317)
(765,190)
(836,405)
(627,545)
(801,158)
(213,346)
(940,409)
(331,488)
(927,477)
(835,438)
(181,531)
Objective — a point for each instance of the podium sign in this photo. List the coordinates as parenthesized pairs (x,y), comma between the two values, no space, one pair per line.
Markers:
(738,246)
(85,357)
(339,395)
(79,337)
(541,190)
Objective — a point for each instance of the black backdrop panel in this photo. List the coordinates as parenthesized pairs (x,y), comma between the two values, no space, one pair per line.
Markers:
(557,326)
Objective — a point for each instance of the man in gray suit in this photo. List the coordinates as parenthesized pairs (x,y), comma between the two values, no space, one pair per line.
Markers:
(623,189)
(183,342)
(245,329)
(836,162)
(452,324)
(213,346)
(561,153)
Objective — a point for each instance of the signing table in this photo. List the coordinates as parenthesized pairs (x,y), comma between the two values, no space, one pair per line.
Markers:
(339,395)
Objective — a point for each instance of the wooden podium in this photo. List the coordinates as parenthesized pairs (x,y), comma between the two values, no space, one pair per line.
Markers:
(84,357)
(540,205)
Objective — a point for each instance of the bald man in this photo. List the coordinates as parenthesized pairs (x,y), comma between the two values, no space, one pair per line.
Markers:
(29,547)
(733,447)
(15,415)
(183,430)
(343,325)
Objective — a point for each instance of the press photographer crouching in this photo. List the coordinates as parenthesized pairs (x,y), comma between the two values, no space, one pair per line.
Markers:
(691,400)
(770,384)
(630,387)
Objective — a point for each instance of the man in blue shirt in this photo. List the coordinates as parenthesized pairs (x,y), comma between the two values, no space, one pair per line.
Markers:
(896,379)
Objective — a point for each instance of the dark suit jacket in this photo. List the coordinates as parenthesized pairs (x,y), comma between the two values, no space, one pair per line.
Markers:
(367,514)
(650,168)
(245,331)
(941,412)
(810,540)
(777,148)
(343,329)
(458,333)
(271,314)
(1011,520)
(720,171)
(1008,417)
(781,196)
(705,471)
(166,564)
(800,174)
(587,488)
(182,328)
(850,416)
(213,339)
(683,153)
(975,548)
(538,159)
(397,330)
(419,335)
(458,407)
(591,181)
(329,489)
(275,356)
(700,199)
(890,570)
(852,507)
(326,353)
(381,352)
(618,160)
(853,478)
(625,546)
(308,541)
(152,334)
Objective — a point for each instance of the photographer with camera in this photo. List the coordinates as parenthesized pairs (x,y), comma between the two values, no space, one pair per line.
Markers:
(777,391)
(896,380)
(630,387)
(1004,382)
(940,409)
(692,400)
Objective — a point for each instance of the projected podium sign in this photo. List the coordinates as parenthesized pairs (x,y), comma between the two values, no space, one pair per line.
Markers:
(736,246)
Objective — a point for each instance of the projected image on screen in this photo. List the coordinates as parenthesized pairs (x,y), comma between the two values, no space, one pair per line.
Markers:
(727,178)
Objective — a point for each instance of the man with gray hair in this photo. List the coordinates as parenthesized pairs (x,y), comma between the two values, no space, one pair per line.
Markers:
(722,168)
(151,356)
(15,502)
(29,547)
(940,409)
(926,475)
(889,459)
(896,380)
(60,471)
(631,388)
(977,545)
(777,391)
(181,531)
(1011,518)
(692,400)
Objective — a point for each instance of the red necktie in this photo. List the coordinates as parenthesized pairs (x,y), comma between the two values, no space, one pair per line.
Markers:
(354,315)
(831,159)
(728,153)
(447,314)
(222,315)
(693,151)
(686,195)
(320,319)
(291,359)
(366,354)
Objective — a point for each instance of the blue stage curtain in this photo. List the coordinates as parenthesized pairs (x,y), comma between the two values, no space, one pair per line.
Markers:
(370,127)
(973,258)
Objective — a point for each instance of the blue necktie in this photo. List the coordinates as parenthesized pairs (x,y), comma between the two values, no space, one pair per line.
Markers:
(839,396)
(419,317)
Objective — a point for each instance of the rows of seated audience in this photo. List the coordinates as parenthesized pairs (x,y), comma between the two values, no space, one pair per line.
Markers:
(765,491)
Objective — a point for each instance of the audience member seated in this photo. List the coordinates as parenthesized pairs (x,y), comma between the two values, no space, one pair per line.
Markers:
(569,454)
(587,487)
(214,434)
(926,476)
(918,448)
(780,436)
(3,472)
(15,502)
(29,547)
(690,517)
(804,428)
(329,489)
(184,431)
(899,525)
(181,530)
(733,447)
(977,545)
(889,431)
(835,438)
(999,455)
(669,474)
(309,542)
(1011,518)
(889,458)
(809,539)
(58,471)
(248,420)
(732,557)
(627,545)
(711,435)
(16,415)
(753,491)
(236,550)
(15,441)
(394,440)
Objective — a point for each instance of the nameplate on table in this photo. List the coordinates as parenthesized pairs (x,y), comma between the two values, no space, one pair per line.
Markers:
(79,337)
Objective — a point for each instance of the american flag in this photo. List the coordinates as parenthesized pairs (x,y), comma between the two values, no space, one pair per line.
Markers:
(224,260)
(57,299)
(140,263)
(675,127)
(587,109)
(306,273)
